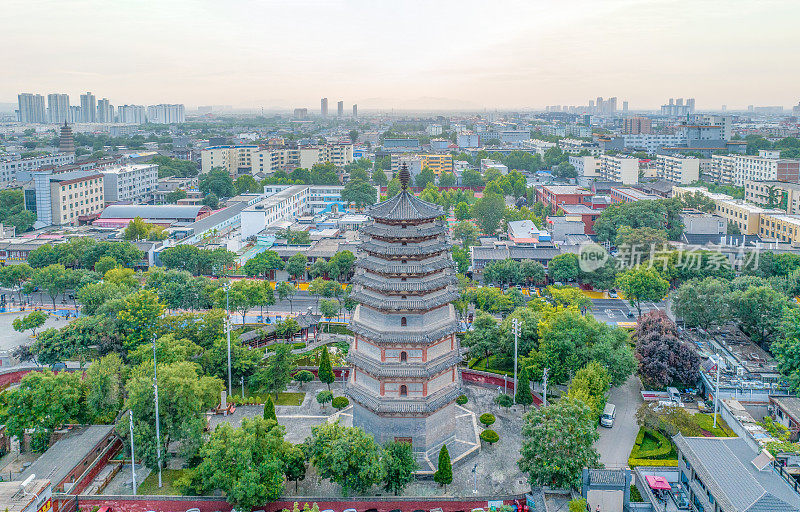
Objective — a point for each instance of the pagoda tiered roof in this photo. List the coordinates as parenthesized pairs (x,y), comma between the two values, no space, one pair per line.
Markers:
(391,303)
(383,284)
(375,264)
(425,248)
(421,405)
(417,370)
(401,337)
(390,231)
(405,206)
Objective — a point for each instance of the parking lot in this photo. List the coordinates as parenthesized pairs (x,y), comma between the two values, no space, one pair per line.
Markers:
(613,311)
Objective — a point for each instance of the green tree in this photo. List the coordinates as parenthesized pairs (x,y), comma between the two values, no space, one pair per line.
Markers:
(466,232)
(285,292)
(294,461)
(54,279)
(444,472)
(359,193)
(211,200)
(564,268)
(759,311)
(702,303)
(522,393)
(245,462)
(345,455)
(399,465)
(296,265)
(218,182)
(269,409)
(590,385)
(329,309)
(488,212)
(325,370)
(184,395)
(277,371)
(462,211)
(558,442)
(303,376)
(104,388)
(32,321)
(642,284)
(138,318)
(324,397)
(425,176)
(14,276)
(447,179)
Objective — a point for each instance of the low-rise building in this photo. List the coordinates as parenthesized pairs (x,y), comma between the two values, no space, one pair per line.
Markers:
(119,215)
(786,411)
(555,196)
(575,146)
(581,213)
(745,216)
(721,169)
(629,195)
(284,204)
(20,169)
(586,167)
(696,222)
(37,496)
(780,227)
(468,139)
(678,169)
(523,232)
(777,194)
(726,474)
(764,167)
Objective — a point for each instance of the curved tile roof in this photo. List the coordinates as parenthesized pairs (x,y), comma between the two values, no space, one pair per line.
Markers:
(405,206)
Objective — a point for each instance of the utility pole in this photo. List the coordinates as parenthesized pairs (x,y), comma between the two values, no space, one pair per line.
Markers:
(133,456)
(228,324)
(515,323)
(158,419)
(544,384)
(716,394)
(242,379)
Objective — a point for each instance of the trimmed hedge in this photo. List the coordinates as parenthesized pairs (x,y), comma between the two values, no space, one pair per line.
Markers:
(487,419)
(490,436)
(461,400)
(340,402)
(652,462)
(663,454)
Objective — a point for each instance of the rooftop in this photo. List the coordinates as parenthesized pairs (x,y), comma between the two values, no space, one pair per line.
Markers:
(11,495)
(405,206)
(148,211)
(567,189)
(790,404)
(61,458)
(725,466)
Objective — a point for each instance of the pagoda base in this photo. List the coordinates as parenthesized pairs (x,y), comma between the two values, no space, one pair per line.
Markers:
(452,425)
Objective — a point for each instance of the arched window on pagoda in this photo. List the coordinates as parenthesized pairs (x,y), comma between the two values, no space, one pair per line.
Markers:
(403,390)
(403,322)
(403,357)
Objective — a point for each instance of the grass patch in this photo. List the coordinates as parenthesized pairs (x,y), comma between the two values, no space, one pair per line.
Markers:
(290,398)
(706,422)
(488,365)
(168,477)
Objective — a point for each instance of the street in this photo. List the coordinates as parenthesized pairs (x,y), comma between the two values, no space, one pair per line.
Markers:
(613,311)
(615,443)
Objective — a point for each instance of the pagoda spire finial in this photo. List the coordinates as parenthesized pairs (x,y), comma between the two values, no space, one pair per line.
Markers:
(404,176)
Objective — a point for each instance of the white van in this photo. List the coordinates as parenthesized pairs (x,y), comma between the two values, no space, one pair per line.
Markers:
(609,413)
(674,395)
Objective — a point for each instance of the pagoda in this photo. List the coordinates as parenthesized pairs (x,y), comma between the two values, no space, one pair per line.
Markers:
(404,356)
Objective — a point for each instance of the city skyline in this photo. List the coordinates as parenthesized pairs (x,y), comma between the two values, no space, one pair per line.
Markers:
(459,56)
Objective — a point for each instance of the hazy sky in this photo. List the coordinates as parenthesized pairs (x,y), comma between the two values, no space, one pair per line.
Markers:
(404,54)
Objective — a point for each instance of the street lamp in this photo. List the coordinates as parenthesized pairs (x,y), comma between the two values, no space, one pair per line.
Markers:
(515,323)
(228,328)
(133,456)
(158,420)
(544,385)
(716,392)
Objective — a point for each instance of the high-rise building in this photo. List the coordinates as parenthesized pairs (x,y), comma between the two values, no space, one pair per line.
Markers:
(31,108)
(105,111)
(66,144)
(405,354)
(677,107)
(637,125)
(340,108)
(88,108)
(323,107)
(355,110)
(131,114)
(166,114)
(57,108)
(624,106)
(300,113)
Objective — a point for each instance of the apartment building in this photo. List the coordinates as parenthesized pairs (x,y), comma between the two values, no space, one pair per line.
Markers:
(721,169)
(130,182)
(555,196)
(785,196)
(652,142)
(20,169)
(320,198)
(780,227)
(746,216)
(621,169)
(252,159)
(438,163)
(629,195)
(764,167)
(637,125)
(67,198)
(586,167)
(677,169)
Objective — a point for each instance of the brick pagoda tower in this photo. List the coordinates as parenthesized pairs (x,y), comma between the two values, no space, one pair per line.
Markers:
(405,379)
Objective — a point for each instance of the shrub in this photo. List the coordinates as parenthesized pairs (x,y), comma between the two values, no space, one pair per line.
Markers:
(303,376)
(490,436)
(577,505)
(461,400)
(662,448)
(323,397)
(487,419)
(340,402)
(636,496)
(504,400)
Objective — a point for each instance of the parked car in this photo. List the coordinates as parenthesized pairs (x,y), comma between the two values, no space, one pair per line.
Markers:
(613,294)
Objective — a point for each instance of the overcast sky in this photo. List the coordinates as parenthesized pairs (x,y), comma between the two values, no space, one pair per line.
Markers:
(404,54)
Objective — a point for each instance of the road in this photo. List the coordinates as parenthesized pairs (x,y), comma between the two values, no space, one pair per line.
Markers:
(615,443)
(611,311)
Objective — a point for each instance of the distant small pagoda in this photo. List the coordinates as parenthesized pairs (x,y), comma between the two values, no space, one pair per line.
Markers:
(66,143)
(404,379)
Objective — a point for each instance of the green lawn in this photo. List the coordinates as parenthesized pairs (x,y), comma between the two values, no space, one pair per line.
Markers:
(168,476)
(290,398)
(706,422)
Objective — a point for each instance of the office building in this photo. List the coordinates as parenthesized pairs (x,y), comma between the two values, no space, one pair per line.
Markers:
(67,198)
(88,108)
(355,111)
(105,111)
(678,169)
(57,108)
(323,107)
(340,108)
(166,114)
(622,169)
(624,106)
(133,182)
(31,108)
(131,114)
(637,125)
